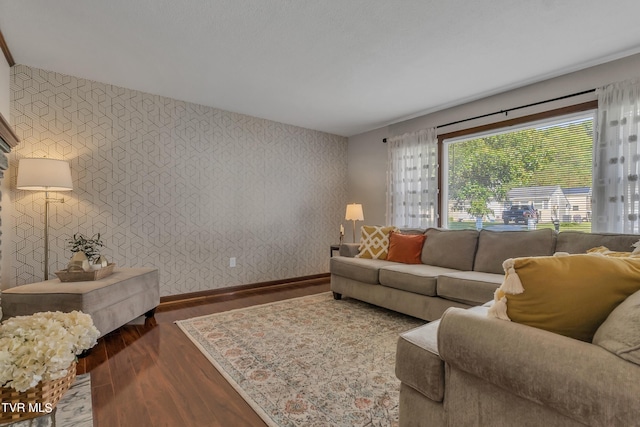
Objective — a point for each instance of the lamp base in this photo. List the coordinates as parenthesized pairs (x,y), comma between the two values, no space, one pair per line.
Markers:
(354,231)
(47,200)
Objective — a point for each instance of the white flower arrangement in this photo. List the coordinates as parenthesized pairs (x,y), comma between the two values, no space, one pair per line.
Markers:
(42,346)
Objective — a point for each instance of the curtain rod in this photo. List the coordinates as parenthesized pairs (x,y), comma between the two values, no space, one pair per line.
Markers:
(505,112)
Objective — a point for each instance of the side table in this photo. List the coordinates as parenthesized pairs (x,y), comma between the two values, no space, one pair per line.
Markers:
(334,248)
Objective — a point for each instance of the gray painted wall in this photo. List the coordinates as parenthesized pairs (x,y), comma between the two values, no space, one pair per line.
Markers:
(368,155)
(367,176)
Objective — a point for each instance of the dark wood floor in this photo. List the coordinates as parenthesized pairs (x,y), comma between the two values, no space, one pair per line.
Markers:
(152,375)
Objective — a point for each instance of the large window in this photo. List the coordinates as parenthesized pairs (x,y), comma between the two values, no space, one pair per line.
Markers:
(531,176)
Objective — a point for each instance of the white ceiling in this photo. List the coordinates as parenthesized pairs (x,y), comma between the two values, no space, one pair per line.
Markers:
(339,66)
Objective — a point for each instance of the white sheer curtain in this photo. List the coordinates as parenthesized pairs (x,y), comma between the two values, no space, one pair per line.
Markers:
(412,187)
(616,156)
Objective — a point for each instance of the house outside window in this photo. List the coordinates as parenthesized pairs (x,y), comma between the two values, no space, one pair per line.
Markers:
(543,167)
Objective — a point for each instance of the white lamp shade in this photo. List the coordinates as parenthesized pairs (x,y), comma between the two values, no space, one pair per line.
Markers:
(354,212)
(44,175)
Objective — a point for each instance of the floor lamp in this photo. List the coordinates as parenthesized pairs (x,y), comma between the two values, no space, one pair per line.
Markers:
(45,175)
(354,213)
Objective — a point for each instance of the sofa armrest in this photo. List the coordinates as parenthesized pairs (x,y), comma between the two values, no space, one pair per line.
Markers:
(580,380)
(349,249)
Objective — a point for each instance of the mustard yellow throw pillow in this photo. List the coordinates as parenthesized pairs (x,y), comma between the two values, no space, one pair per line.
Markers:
(603,250)
(374,242)
(568,295)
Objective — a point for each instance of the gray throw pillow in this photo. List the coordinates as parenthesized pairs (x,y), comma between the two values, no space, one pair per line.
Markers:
(620,333)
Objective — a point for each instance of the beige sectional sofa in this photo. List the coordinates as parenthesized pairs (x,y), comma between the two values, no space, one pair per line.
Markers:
(460,268)
(467,369)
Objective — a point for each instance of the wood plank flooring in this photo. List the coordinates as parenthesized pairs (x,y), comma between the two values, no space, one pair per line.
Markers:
(153,375)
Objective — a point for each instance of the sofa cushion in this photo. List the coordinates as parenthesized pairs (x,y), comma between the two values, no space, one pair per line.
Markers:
(418,363)
(575,242)
(469,287)
(363,270)
(374,242)
(416,278)
(620,333)
(405,248)
(450,248)
(569,295)
(411,231)
(496,246)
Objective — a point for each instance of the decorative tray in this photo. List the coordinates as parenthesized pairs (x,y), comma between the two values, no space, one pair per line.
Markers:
(85,276)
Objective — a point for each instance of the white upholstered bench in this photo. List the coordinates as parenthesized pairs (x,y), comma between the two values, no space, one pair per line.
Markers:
(113,301)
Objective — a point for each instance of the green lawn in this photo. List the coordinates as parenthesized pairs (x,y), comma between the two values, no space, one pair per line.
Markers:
(564,226)
(569,226)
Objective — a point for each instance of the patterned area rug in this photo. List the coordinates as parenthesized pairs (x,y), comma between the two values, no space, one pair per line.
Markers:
(309,361)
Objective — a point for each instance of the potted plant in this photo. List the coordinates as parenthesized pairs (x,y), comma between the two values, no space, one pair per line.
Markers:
(84,248)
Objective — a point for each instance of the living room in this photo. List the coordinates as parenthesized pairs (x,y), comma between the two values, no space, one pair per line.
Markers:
(223,199)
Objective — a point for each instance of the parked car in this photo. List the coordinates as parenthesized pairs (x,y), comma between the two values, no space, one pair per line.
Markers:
(520,213)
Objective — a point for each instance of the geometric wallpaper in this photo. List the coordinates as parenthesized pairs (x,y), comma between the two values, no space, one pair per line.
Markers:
(173,185)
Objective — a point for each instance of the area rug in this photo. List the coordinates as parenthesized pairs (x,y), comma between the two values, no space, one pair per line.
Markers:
(73,410)
(309,361)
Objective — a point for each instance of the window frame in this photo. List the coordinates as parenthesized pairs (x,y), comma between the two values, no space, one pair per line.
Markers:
(550,114)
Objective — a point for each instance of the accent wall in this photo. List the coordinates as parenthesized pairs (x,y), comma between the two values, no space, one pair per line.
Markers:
(173,185)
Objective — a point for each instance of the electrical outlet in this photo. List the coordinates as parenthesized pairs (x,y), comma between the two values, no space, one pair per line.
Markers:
(232,262)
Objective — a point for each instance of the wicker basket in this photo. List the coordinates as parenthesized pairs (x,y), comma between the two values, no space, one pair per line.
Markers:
(37,401)
(85,276)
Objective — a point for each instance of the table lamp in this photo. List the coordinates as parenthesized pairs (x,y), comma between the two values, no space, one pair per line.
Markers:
(354,213)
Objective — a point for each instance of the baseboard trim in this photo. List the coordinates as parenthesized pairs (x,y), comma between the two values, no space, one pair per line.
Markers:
(233,290)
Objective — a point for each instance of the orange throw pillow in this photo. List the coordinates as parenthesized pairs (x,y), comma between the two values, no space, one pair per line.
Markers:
(406,248)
